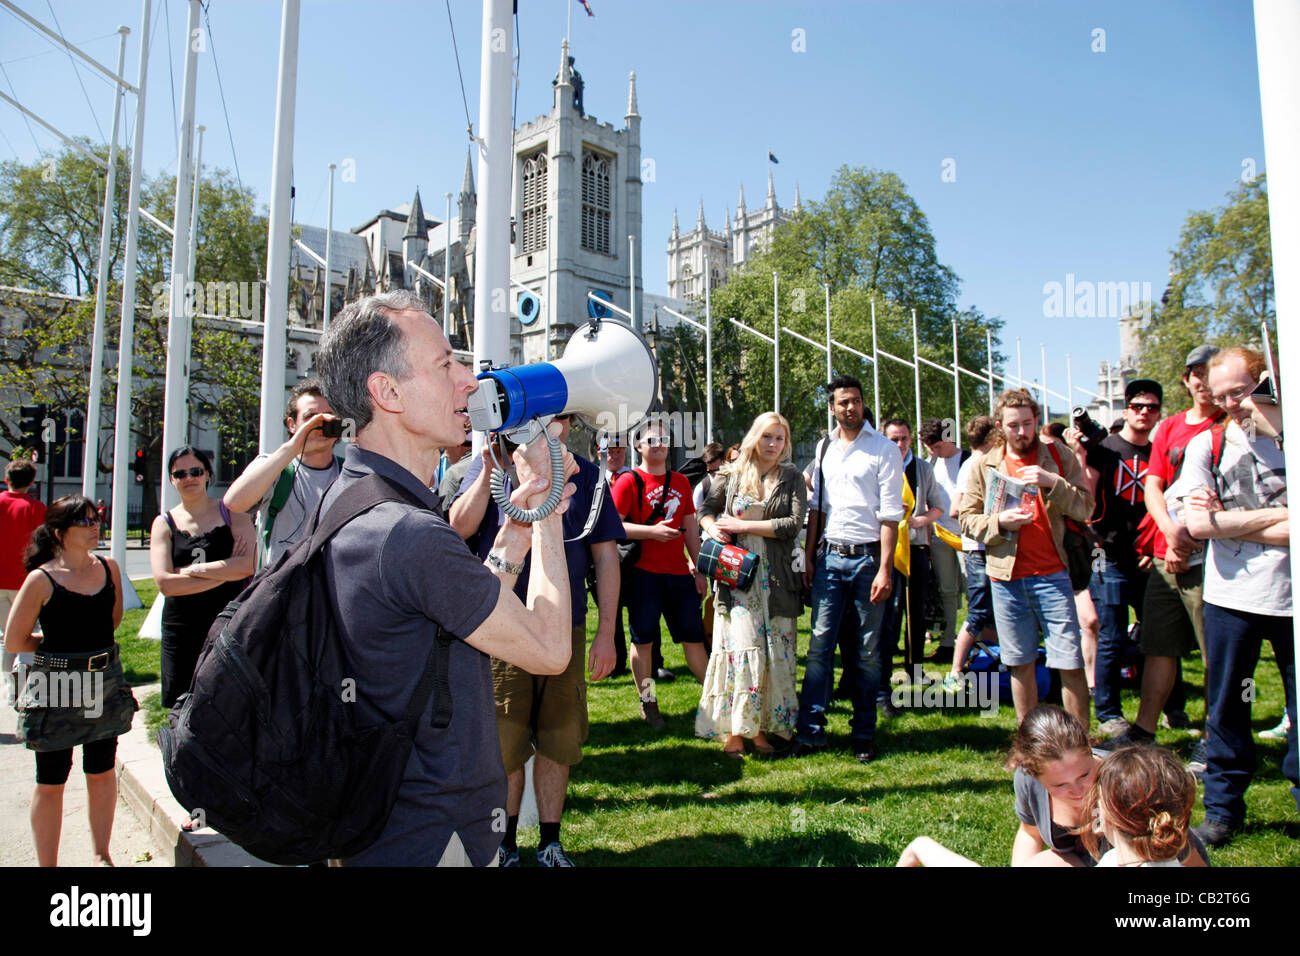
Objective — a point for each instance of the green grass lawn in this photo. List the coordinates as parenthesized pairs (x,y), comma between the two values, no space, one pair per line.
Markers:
(664,797)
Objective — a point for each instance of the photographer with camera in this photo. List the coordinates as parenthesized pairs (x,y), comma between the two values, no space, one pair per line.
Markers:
(286,486)
(1119,574)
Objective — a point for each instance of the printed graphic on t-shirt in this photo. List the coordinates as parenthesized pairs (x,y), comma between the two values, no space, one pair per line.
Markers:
(1129,476)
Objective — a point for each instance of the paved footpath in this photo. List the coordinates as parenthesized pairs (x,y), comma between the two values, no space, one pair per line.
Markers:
(132,843)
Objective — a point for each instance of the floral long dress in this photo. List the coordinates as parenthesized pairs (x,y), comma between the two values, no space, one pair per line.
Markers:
(750,684)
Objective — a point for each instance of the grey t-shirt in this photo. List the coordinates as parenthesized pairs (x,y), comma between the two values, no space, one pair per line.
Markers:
(396,573)
(293,520)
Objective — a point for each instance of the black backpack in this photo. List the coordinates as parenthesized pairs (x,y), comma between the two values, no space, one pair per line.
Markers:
(268,743)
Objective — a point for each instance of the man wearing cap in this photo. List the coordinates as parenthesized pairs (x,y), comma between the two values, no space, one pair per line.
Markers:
(1173,613)
(1119,574)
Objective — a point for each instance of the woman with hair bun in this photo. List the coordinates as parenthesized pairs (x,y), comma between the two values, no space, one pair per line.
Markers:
(74,694)
(1141,805)
(200,554)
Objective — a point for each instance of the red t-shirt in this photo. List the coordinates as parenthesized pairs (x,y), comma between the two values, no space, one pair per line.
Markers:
(1168,446)
(660,557)
(20,515)
(1035,551)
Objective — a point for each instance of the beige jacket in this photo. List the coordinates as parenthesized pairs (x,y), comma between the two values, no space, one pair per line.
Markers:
(1067,499)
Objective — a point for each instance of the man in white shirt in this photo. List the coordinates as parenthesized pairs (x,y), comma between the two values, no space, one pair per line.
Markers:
(858,496)
(1234,487)
(947,459)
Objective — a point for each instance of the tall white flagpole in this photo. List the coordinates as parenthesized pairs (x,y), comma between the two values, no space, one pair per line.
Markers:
(916,379)
(276,313)
(956,385)
(830,367)
(90,456)
(192,258)
(1277,33)
(446,272)
(329,257)
(988,352)
(176,401)
(875,366)
(776,346)
(708,350)
(126,333)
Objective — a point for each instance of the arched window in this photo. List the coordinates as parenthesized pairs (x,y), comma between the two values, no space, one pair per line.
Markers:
(596,205)
(532,219)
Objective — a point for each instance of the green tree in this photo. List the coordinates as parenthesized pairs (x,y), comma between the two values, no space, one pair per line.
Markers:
(1220,288)
(49,241)
(866,241)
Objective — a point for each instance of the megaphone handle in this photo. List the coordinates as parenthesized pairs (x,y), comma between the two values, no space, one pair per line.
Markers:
(528,516)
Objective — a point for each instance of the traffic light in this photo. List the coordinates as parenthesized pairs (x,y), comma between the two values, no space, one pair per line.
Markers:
(30,425)
(138,466)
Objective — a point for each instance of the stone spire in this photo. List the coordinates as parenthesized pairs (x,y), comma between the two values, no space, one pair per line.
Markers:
(740,203)
(771,190)
(797,206)
(726,227)
(676,231)
(699,223)
(631,95)
(467,206)
(416,225)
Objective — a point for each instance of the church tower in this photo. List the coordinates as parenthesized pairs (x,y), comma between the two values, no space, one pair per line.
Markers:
(577,198)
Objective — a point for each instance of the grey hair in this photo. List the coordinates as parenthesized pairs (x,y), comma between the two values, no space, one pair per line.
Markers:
(363,340)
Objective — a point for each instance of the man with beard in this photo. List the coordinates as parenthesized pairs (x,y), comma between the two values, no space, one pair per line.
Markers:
(1025,554)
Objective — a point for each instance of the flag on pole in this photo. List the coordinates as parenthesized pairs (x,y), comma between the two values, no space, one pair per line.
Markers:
(771,157)
(586,6)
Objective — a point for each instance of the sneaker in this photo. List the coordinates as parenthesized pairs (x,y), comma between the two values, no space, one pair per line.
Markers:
(1279,732)
(553,855)
(887,710)
(507,857)
(1199,757)
(650,713)
(864,752)
(1113,727)
(664,676)
(1214,832)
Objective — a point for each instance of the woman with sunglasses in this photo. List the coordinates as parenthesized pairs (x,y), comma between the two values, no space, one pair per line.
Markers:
(200,554)
(757,502)
(75,694)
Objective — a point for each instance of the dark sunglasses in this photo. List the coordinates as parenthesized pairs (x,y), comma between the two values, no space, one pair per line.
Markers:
(85,521)
(195,472)
(1144,406)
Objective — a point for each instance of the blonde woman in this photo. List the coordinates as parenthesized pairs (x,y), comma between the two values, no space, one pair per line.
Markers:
(756,502)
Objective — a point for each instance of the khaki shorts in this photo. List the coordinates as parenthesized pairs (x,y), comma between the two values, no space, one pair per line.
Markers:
(545,715)
(1173,614)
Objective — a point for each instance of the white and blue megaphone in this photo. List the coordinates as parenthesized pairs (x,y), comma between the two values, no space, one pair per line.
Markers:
(607,377)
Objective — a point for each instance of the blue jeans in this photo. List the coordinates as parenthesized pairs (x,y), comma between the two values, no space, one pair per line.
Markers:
(837,581)
(1113,592)
(1232,643)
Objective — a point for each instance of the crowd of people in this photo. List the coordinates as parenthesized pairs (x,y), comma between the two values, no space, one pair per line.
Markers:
(1055,536)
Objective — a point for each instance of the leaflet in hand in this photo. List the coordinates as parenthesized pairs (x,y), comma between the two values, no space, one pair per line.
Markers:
(1005,493)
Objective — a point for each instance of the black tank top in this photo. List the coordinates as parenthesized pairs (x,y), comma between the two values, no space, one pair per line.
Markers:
(196,612)
(76,623)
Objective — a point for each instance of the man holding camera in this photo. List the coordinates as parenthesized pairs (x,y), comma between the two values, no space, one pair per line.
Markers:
(1119,575)
(1173,615)
(287,485)
(401,578)
(1025,554)
(1234,481)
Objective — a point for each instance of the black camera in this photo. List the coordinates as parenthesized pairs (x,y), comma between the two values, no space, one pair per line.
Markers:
(332,428)
(1092,432)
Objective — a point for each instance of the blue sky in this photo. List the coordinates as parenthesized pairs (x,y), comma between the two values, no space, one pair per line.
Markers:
(1067,160)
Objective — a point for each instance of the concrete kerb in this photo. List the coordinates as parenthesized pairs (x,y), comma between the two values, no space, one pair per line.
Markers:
(143,784)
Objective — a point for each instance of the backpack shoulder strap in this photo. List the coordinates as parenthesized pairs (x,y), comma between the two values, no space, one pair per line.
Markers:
(1217,441)
(356,500)
(1051,446)
(965,455)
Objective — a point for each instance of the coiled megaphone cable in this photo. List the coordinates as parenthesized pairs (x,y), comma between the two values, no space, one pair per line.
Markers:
(497,482)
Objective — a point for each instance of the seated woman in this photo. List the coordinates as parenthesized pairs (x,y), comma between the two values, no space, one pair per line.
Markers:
(1141,804)
(1056,770)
